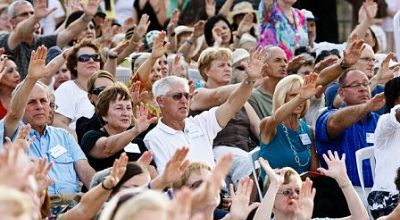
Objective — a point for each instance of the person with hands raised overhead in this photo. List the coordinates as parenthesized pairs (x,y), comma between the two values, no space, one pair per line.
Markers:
(30,104)
(25,19)
(285,139)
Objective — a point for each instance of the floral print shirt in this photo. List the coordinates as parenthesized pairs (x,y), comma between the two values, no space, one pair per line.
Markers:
(275,29)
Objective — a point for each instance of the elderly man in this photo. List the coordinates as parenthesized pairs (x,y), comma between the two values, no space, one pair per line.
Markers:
(175,129)
(351,127)
(25,18)
(261,98)
(30,102)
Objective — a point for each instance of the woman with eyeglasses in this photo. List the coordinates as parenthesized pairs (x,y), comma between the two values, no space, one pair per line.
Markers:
(9,79)
(84,59)
(287,197)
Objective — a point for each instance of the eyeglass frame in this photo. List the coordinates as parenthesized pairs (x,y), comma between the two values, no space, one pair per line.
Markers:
(357,85)
(179,95)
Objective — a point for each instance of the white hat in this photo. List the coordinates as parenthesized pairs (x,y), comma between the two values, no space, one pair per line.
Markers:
(182,29)
(239,55)
(308,14)
(246,37)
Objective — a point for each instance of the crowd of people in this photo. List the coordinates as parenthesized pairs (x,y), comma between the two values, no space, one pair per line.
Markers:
(160,109)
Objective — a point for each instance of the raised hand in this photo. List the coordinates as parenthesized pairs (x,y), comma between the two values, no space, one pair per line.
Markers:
(336,167)
(175,167)
(159,47)
(90,8)
(106,31)
(181,208)
(368,10)
(385,73)
(210,7)
(276,178)
(246,24)
(306,200)
(145,158)
(118,49)
(173,22)
(22,138)
(198,29)
(41,175)
(308,89)
(36,69)
(353,50)
(41,10)
(141,29)
(117,172)
(255,65)
(141,120)
(177,68)
(217,35)
(377,102)
(240,207)
(324,64)
(295,63)
(136,94)
(71,6)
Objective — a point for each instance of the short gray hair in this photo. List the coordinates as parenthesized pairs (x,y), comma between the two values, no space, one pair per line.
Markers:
(269,50)
(39,83)
(11,12)
(162,86)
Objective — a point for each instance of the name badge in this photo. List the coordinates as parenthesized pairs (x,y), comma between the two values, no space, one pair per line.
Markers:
(305,139)
(132,148)
(57,151)
(370,138)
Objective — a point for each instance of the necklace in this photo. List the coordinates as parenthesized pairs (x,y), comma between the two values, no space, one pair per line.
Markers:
(293,148)
(79,85)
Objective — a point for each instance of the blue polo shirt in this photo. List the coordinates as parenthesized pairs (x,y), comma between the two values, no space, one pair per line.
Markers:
(57,145)
(352,139)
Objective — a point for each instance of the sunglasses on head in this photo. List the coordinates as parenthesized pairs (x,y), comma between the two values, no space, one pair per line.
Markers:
(98,90)
(87,57)
(178,96)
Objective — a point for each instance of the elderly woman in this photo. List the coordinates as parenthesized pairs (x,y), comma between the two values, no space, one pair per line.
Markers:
(9,79)
(114,108)
(287,197)
(72,99)
(285,139)
(282,25)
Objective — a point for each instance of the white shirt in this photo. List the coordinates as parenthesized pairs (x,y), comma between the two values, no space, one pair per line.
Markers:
(198,136)
(73,102)
(387,151)
(48,23)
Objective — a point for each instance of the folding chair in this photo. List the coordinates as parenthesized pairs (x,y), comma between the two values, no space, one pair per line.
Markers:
(361,155)
(254,155)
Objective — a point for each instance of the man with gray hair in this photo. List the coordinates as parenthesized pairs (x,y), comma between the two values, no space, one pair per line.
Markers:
(25,18)
(175,129)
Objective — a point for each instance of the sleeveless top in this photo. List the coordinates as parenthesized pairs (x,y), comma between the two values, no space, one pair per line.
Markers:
(287,150)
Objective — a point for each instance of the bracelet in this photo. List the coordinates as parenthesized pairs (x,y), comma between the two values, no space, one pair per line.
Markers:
(104,187)
(110,56)
(249,82)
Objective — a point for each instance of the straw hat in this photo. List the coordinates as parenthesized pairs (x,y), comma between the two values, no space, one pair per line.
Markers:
(242,8)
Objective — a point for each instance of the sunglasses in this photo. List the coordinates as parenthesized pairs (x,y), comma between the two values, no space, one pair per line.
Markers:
(178,96)
(289,192)
(87,57)
(24,14)
(98,90)
(240,68)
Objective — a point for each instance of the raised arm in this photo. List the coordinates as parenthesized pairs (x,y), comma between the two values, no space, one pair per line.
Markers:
(108,146)
(19,100)
(189,45)
(268,125)
(384,73)
(73,30)
(226,8)
(205,98)
(366,16)
(347,116)
(27,27)
(238,98)
(337,170)
(93,200)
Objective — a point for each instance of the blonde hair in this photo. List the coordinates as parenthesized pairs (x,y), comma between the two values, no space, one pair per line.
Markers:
(22,204)
(284,86)
(194,167)
(289,173)
(210,54)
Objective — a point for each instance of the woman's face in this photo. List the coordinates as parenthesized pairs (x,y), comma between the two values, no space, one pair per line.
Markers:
(119,114)
(369,39)
(137,181)
(220,71)
(61,76)
(11,76)
(196,179)
(290,95)
(89,32)
(156,73)
(286,199)
(225,31)
(99,85)
(86,67)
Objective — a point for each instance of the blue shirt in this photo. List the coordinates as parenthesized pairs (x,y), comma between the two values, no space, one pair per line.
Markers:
(352,139)
(278,151)
(62,171)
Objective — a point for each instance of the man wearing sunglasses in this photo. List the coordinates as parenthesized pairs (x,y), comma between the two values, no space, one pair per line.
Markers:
(25,18)
(175,129)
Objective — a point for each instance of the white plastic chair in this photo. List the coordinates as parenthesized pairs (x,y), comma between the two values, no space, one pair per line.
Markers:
(361,155)
(396,30)
(254,155)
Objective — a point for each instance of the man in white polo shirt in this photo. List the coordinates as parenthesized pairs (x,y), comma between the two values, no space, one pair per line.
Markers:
(175,129)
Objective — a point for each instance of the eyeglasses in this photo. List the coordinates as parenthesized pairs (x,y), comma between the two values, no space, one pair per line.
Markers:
(357,85)
(195,185)
(98,90)
(24,14)
(240,68)
(86,57)
(289,192)
(178,96)
(368,59)
(90,26)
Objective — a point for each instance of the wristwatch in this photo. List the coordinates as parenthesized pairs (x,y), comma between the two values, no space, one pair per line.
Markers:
(344,65)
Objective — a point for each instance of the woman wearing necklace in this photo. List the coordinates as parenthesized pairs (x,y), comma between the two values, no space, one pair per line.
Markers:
(285,139)
(282,25)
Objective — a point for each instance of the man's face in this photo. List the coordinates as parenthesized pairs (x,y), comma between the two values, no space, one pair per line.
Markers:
(311,30)
(38,108)
(23,12)
(277,64)
(175,104)
(356,88)
(366,63)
